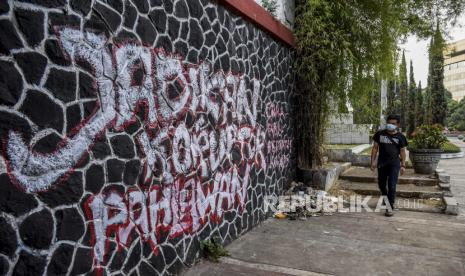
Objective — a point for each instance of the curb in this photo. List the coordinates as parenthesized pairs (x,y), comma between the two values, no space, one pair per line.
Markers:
(323,178)
(452,206)
(452,155)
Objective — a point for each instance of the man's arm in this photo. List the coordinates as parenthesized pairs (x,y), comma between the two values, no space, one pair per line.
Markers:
(403,156)
(374,153)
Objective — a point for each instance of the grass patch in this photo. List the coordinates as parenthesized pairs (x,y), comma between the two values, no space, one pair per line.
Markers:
(336,191)
(366,151)
(340,146)
(450,147)
(213,249)
(328,165)
(435,203)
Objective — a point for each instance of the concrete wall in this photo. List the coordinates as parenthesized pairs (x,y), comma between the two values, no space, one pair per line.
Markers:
(342,130)
(133,130)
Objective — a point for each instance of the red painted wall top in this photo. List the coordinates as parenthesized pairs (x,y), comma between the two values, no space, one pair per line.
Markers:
(259,16)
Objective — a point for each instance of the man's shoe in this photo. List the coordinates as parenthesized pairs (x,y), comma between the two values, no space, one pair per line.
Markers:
(389,213)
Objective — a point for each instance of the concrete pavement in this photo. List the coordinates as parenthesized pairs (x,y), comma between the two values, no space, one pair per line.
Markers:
(456,169)
(410,243)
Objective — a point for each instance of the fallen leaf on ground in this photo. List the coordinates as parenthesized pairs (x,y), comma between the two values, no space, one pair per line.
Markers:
(280,215)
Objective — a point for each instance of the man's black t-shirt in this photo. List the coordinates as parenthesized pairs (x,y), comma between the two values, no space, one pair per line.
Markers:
(389,147)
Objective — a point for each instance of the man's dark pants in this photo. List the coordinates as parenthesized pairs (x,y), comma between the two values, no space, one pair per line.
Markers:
(388,174)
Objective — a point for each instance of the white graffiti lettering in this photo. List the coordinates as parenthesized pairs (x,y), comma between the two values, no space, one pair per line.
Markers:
(278,147)
(167,89)
(182,207)
(34,171)
(199,141)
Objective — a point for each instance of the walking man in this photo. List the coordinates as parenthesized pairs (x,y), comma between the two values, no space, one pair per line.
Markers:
(390,143)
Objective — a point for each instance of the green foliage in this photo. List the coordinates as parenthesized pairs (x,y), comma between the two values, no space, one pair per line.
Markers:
(391,97)
(213,249)
(428,100)
(342,44)
(449,147)
(419,107)
(394,104)
(456,115)
(437,102)
(412,91)
(340,146)
(270,6)
(405,99)
(427,137)
(366,108)
(403,85)
(366,151)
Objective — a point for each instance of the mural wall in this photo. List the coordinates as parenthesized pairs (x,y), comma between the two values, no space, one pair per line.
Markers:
(133,130)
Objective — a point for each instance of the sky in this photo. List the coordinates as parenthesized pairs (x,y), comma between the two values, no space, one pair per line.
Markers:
(417,51)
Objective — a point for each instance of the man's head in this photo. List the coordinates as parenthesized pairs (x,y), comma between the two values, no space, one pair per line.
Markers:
(393,120)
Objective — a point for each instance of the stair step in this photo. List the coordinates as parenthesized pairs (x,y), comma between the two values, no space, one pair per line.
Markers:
(417,205)
(362,174)
(405,190)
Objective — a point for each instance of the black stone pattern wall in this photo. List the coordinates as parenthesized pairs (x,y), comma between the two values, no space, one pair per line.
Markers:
(44,95)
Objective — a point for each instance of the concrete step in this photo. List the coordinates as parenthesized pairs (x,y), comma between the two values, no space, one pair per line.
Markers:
(413,204)
(405,190)
(365,175)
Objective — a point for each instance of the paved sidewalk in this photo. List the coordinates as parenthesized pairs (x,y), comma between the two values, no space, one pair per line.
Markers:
(456,169)
(410,243)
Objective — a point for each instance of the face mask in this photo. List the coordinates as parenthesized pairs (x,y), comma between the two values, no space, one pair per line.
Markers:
(391,127)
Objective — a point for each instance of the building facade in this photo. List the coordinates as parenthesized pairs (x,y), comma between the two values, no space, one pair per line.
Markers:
(454,69)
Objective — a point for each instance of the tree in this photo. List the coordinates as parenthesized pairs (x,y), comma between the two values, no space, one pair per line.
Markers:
(366,109)
(456,118)
(270,6)
(428,104)
(437,103)
(403,85)
(410,109)
(419,108)
(391,97)
(339,43)
(456,113)
(397,103)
